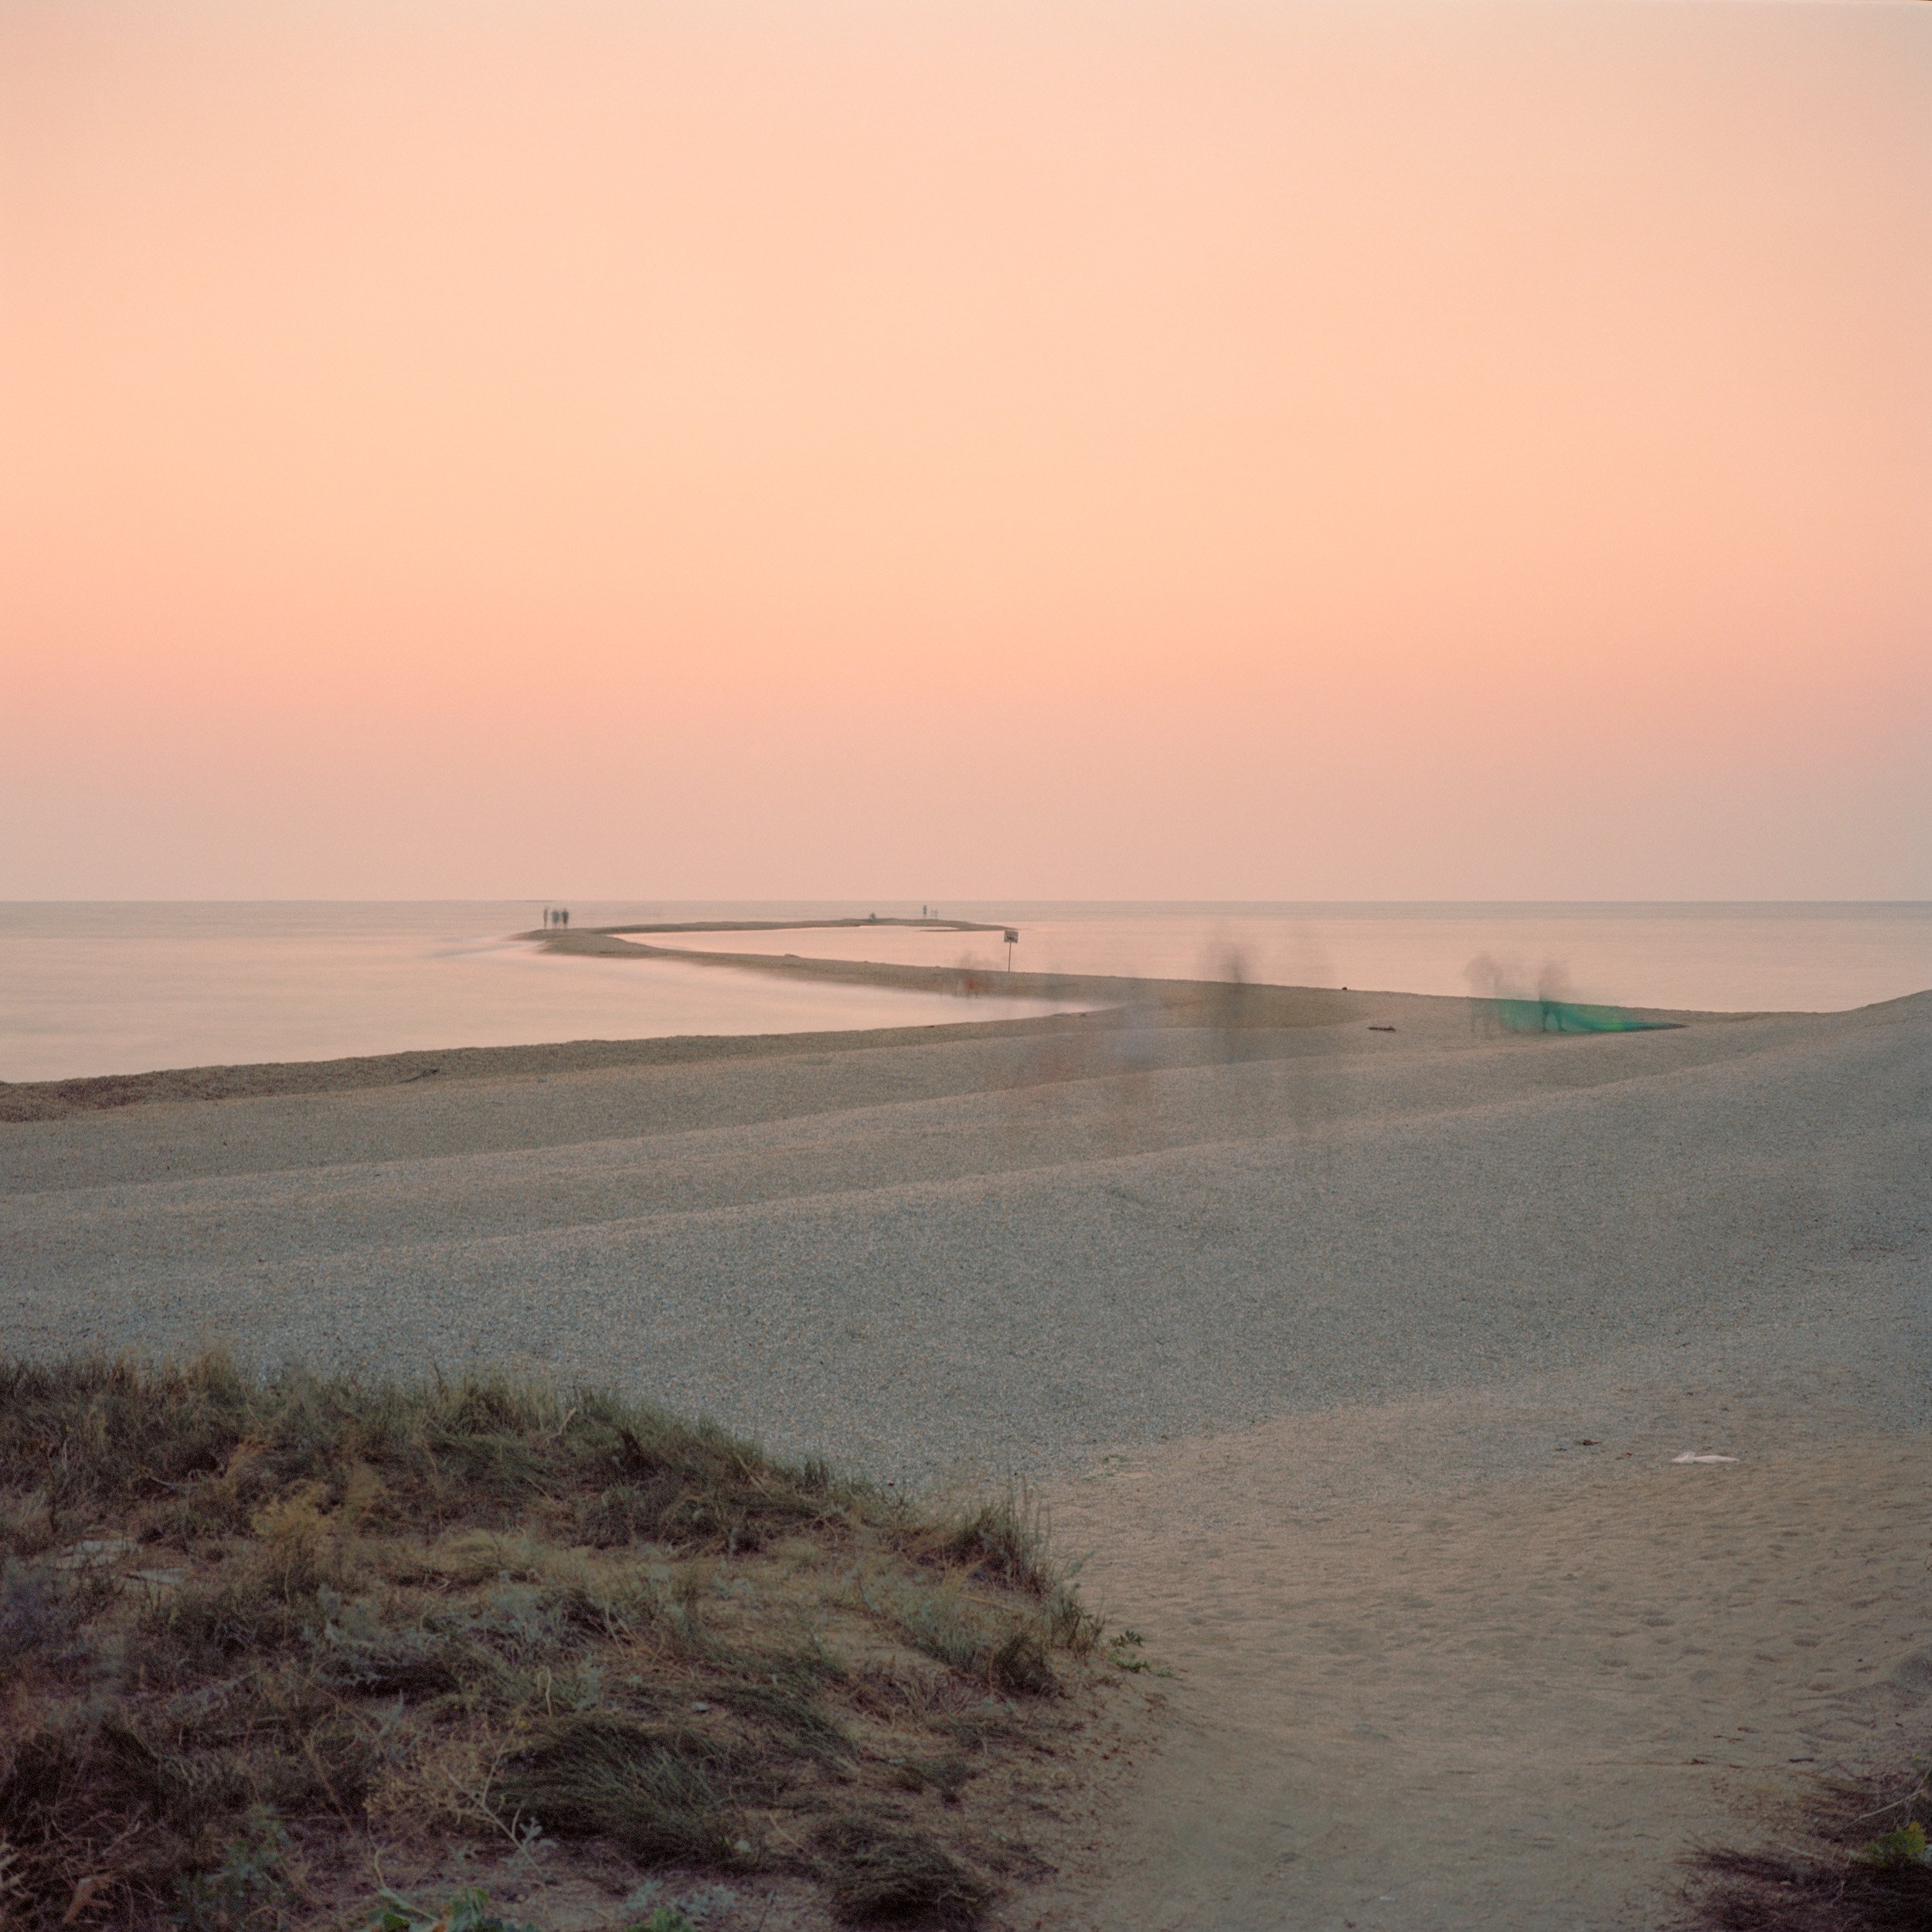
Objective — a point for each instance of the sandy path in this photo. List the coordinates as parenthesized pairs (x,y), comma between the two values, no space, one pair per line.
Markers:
(1509,1702)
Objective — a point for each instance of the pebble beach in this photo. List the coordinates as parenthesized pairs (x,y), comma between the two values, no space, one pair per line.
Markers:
(1235,1283)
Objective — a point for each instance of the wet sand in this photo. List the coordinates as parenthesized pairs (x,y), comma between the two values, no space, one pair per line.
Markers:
(1356,1359)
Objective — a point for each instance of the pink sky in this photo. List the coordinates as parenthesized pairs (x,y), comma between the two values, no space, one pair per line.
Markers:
(1197,450)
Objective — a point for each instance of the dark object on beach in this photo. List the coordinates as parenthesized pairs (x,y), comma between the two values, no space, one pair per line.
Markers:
(1382,1030)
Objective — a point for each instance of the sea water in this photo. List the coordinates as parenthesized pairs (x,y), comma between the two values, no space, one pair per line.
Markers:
(128,987)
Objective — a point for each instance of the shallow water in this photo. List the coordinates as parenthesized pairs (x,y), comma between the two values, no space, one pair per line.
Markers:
(128,988)
(125,987)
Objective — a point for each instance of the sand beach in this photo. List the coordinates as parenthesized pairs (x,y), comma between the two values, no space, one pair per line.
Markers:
(967,967)
(1352,1339)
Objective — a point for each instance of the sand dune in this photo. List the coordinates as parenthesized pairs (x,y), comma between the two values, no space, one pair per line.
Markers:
(1300,1323)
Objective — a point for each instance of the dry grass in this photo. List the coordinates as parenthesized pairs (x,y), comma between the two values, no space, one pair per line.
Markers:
(255,1637)
(1855,1860)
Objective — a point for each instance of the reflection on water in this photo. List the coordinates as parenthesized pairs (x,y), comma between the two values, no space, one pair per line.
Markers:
(126,988)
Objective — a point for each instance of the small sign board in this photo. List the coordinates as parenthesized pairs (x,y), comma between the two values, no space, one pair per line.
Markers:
(1012,937)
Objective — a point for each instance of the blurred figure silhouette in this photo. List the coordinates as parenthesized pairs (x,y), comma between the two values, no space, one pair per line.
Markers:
(1503,1001)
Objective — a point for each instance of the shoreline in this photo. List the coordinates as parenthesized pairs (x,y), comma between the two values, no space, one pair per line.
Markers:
(23,1101)
(1109,1001)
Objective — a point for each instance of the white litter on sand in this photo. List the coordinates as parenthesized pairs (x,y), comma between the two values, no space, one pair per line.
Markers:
(1692,1455)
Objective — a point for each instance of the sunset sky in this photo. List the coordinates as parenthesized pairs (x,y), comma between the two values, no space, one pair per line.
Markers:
(691,448)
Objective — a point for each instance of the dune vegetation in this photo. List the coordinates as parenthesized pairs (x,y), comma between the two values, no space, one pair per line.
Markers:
(304,1651)
(1851,1857)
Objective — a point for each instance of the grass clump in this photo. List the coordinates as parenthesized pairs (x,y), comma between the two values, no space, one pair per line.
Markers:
(877,1869)
(257,1635)
(664,1794)
(1864,1866)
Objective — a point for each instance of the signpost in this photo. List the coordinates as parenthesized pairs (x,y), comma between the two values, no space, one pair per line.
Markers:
(1012,939)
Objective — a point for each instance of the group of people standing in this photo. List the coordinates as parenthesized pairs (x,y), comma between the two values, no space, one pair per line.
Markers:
(556,915)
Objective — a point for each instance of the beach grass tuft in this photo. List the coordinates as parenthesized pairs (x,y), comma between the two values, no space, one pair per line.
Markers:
(259,1635)
(878,1870)
(1854,1859)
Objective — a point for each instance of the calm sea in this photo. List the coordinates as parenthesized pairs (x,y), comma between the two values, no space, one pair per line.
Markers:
(113,989)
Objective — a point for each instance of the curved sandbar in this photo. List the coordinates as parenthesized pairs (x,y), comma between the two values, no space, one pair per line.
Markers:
(1114,1002)
(790,926)
(1218,1003)
(1228,1002)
